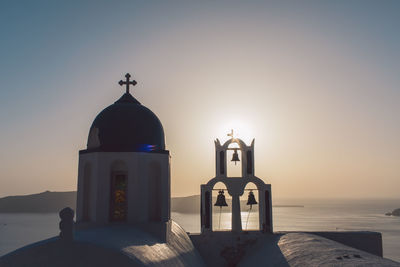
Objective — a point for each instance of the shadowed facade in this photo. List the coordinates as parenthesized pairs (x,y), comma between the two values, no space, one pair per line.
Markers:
(124,173)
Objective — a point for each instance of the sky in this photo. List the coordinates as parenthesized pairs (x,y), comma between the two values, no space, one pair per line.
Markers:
(316,83)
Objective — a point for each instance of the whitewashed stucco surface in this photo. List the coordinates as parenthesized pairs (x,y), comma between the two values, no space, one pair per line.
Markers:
(116,245)
(302,249)
(144,247)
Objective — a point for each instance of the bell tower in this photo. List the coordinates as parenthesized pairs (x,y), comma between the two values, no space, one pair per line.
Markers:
(236,186)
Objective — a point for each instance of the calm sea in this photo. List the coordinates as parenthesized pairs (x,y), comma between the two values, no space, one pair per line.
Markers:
(17,230)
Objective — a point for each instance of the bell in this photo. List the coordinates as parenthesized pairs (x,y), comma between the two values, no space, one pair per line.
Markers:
(235,156)
(251,199)
(221,202)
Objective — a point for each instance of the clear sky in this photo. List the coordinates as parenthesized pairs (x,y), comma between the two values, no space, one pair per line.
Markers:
(316,83)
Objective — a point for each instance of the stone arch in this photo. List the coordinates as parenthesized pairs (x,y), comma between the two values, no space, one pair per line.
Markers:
(87,181)
(245,166)
(214,181)
(257,182)
(238,141)
(119,191)
(154,195)
(234,169)
(222,217)
(250,213)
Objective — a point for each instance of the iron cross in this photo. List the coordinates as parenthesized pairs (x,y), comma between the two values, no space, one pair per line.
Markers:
(127,82)
(230,134)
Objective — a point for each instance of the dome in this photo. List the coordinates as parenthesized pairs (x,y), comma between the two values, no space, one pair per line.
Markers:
(126,125)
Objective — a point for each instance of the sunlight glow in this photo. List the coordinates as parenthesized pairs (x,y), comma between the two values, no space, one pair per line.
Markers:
(242,129)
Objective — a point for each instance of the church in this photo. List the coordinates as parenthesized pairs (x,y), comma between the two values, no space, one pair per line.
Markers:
(123,212)
(123,215)
(124,173)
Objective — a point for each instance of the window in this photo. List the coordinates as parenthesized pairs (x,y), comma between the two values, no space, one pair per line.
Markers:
(118,198)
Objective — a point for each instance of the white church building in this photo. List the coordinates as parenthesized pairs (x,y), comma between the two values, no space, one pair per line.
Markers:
(124,173)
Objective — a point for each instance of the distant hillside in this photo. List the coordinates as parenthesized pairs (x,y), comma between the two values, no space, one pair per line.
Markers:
(42,202)
(55,201)
(190,204)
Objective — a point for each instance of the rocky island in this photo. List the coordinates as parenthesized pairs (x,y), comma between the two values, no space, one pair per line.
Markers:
(395,212)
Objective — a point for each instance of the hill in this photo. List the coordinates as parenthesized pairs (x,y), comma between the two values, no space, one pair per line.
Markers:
(42,202)
(190,204)
(48,202)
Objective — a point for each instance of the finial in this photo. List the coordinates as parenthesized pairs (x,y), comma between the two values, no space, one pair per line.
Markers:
(230,134)
(127,82)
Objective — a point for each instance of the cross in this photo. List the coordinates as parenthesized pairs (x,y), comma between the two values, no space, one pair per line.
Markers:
(127,82)
(230,134)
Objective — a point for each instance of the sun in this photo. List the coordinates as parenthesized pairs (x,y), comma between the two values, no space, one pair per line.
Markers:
(241,129)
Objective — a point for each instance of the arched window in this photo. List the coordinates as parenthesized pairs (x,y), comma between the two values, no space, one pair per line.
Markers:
(233,168)
(87,172)
(118,192)
(249,206)
(221,214)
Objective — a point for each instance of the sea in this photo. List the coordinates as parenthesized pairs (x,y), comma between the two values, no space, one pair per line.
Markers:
(19,229)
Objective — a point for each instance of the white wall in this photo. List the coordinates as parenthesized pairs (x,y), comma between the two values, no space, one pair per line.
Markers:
(138,170)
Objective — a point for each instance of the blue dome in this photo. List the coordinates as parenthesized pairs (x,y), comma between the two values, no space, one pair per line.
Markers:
(126,125)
